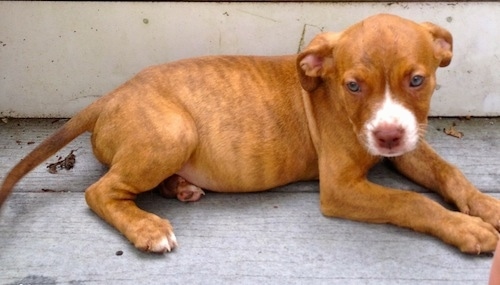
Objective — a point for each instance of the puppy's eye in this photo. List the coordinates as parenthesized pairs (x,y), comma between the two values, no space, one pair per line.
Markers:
(353,86)
(416,81)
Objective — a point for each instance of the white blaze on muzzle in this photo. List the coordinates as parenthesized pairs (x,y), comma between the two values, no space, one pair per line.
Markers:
(393,129)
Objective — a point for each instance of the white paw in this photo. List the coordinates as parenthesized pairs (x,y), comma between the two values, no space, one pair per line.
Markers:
(166,244)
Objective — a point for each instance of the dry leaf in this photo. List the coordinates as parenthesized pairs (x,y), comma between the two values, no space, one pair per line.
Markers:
(67,163)
(451,131)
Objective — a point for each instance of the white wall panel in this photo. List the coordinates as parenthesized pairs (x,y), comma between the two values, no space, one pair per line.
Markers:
(57,57)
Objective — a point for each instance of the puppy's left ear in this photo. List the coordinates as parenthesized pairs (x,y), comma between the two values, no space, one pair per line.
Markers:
(314,62)
(443,43)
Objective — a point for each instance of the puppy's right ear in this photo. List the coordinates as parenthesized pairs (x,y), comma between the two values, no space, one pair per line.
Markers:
(316,60)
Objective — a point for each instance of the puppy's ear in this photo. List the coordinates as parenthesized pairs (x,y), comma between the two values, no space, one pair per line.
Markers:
(316,60)
(443,43)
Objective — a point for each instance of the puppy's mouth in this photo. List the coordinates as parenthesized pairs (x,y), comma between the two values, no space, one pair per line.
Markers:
(392,131)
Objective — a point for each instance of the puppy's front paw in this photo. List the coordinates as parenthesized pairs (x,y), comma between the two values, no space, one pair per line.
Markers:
(470,234)
(485,207)
(153,235)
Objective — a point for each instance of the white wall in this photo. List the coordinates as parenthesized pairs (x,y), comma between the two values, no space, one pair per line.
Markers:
(57,57)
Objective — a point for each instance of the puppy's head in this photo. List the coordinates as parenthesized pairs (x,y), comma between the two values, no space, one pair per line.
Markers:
(382,70)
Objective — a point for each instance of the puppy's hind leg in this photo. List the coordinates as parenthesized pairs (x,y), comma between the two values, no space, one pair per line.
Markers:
(139,164)
(178,187)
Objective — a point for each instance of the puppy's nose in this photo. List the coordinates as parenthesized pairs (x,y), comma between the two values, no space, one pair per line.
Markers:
(388,136)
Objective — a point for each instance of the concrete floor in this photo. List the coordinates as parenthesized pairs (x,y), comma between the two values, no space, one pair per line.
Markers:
(276,237)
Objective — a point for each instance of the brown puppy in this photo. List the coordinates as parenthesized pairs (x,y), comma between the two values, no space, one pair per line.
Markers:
(240,124)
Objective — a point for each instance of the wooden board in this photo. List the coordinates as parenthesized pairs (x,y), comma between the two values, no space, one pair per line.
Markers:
(276,237)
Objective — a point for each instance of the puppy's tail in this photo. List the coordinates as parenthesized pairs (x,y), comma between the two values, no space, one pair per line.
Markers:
(80,123)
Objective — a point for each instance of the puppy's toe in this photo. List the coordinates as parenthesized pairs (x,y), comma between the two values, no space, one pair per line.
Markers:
(166,244)
(476,236)
(191,194)
(155,236)
(485,207)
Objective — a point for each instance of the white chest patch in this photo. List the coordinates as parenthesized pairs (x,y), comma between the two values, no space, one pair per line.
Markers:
(393,129)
